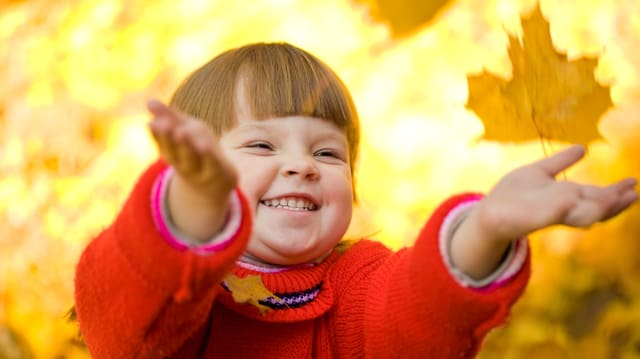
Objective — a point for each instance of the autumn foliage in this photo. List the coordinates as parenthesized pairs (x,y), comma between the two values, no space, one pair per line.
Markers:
(452,94)
(547,97)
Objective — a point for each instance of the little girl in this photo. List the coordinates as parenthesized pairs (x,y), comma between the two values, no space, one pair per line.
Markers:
(230,245)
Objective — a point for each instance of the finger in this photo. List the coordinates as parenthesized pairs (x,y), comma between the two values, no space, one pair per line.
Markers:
(188,161)
(194,133)
(215,166)
(626,200)
(602,203)
(562,160)
(609,195)
(162,125)
(158,108)
(194,146)
(616,189)
(164,140)
(626,194)
(203,142)
(189,158)
(204,148)
(624,185)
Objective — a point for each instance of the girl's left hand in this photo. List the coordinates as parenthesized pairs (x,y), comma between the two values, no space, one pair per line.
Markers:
(530,198)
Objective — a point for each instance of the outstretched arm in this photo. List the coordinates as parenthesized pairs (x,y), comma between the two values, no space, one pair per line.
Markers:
(138,293)
(528,199)
(198,193)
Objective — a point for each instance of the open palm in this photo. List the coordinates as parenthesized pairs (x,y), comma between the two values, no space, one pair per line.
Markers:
(530,198)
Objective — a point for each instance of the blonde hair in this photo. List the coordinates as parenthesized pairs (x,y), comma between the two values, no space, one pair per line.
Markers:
(278,79)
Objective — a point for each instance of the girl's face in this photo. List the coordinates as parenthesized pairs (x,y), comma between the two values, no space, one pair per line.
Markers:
(295,172)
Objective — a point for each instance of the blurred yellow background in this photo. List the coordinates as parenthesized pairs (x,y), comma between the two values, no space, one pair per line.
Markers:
(75,76)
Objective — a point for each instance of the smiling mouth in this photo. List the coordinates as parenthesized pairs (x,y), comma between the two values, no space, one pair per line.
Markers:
(291,204)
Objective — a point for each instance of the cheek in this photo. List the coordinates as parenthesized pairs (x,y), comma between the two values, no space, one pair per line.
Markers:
(343,183)
(252,184)
(254,177)
(341,217)
(339,187)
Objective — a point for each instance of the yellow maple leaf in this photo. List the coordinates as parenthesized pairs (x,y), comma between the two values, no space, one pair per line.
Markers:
(404,17)
(250,290)
(548,97)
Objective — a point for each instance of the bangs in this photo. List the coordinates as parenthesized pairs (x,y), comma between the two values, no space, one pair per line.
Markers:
(276,80)
(290,83)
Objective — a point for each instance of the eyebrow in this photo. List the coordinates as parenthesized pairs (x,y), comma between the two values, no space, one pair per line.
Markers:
(334,136)
(251,126)
(257,126)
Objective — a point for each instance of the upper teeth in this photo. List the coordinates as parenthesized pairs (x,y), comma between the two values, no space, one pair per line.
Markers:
(295,204)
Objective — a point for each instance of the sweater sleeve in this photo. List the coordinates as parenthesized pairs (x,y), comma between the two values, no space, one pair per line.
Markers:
(416,308)
(511,263)
(136,295)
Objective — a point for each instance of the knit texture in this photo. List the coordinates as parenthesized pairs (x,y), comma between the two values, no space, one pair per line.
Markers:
(138,297)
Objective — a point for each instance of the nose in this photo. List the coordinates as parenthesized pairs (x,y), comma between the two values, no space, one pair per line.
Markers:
(301,166)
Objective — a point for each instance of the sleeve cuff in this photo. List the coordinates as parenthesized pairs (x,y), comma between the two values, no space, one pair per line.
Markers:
(178,240)
(509,268)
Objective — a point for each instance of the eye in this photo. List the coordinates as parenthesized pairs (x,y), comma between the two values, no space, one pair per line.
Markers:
(259,146)
(329,154)
(325,153)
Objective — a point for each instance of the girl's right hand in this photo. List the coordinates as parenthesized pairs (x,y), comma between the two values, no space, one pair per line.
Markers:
(198,194)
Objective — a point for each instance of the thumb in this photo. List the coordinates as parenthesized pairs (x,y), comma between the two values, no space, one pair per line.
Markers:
(562,160)
(159,109)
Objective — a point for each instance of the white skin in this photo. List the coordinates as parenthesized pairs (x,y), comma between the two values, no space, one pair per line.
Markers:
(302,164)
(293,170)
(295,158)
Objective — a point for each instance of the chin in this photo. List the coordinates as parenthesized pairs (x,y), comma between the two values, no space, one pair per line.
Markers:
(287,256)
(293,258)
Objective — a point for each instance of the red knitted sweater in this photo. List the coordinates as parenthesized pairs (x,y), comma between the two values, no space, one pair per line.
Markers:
(137,297)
